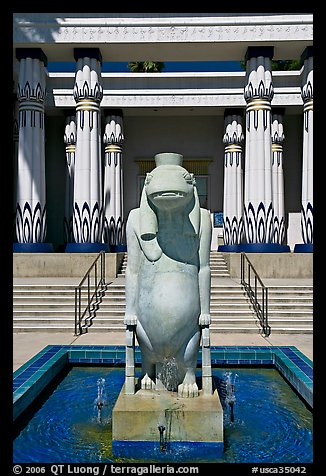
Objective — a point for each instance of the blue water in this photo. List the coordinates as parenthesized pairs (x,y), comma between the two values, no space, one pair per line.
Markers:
(271,423)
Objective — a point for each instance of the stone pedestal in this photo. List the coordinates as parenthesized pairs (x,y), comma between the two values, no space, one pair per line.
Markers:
(193,426)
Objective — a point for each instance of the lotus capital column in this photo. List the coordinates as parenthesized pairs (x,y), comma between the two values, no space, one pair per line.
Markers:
(113,226)
(307,208)
(30,189)
(233,187)
(88,188)
(258,195)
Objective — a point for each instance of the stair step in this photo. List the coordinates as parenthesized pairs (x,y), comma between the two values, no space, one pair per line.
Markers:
(50,307)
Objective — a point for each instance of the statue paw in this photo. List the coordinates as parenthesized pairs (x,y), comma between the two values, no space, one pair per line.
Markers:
(147,383)
(204,319)
(187,390)
(130,319)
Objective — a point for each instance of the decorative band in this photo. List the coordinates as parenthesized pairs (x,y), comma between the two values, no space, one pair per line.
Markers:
(258,105)
(277,147)
(233,148)
(308,105)
(31,106)
(112,148)
(71,148)
(87,105)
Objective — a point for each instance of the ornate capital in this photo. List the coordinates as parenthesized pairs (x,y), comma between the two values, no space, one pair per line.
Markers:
(70,135)
(259,76)
(233,130)
(88,91)
(113,133)
(277,131)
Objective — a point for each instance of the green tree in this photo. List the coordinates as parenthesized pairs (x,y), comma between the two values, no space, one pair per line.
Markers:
(146,66)
(281,65)
(286,65)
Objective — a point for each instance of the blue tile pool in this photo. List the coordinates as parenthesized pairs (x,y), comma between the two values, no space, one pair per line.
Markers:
(284,427)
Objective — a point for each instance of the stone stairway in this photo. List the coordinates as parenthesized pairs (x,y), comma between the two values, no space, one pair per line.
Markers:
(217,263)
(43,307)
(290,308)
(50,307)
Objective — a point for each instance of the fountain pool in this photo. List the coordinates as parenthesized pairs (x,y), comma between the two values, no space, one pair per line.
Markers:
(271,421)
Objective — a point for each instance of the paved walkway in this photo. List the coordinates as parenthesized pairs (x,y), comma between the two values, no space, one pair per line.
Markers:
(27,344)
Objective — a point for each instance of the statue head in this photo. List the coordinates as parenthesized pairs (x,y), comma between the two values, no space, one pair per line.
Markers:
(168,187)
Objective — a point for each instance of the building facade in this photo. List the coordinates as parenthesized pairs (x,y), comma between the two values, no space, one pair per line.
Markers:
(84,140)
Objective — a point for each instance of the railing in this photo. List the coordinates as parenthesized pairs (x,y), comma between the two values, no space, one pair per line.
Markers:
(256,291)
(89,293)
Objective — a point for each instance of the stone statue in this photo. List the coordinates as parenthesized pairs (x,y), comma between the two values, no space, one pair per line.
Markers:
(168,274)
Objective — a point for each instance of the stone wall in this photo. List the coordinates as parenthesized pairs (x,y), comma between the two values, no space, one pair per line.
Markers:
(64,265)
(274,265)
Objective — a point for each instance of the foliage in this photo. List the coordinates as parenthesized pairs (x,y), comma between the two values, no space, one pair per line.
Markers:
(281,65)
(146,66)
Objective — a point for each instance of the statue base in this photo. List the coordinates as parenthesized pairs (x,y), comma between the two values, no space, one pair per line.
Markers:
(193,427)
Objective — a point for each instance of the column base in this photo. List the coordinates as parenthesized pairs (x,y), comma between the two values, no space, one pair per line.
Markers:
(33,248)
(304,248)
(87,247)
(118,248)
(229,248)
(263,248)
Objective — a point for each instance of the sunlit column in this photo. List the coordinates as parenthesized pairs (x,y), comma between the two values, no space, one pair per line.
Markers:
(31,196)
(88,189)
(277,175)
(307,157)
(113,226)
(258,206)
(233,187)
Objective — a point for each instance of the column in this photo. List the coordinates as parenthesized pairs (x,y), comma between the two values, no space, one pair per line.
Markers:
(258,206)
(307,157)
(277,176)
(87,201)
(113,226)
(31,195)
(70,137)
(233,178)
(15,149)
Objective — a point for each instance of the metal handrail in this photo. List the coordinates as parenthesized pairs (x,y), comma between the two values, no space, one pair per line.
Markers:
(94,293)
(260,305)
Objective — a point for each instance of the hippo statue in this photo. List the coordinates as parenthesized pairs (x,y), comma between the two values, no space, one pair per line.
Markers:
(168,275)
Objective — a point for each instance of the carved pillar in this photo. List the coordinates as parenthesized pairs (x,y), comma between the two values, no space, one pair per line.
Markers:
(15,148)
(70,137)
(31,196)
(307,158)
(277,176)
(113,226)
(87,202)
(233,187)
(258,205)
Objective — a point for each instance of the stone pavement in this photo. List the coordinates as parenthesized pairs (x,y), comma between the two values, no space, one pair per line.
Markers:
(27,344)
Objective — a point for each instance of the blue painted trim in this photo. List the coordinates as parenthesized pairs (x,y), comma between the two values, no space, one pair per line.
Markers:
(304,248)
(263,248)
(229,248)
(147,450)
(40,370)
(33,248)
(87,247)
(118,248)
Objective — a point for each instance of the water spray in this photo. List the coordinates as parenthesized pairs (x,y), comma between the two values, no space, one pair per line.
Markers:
(161,429)
(230,393)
